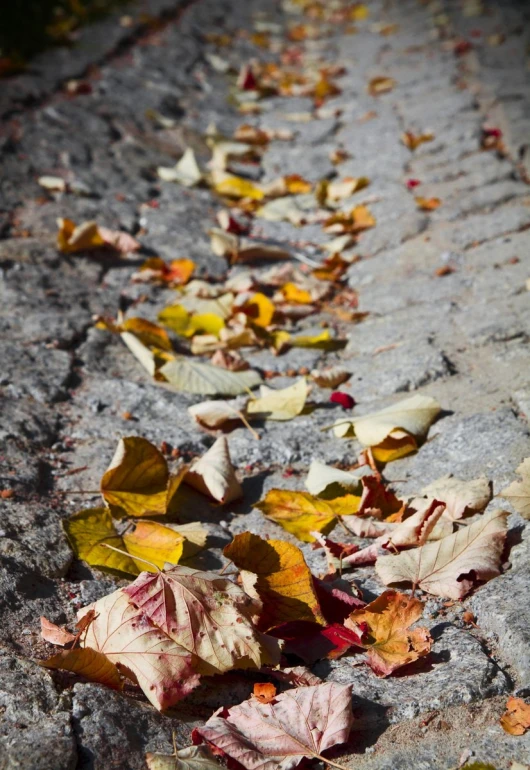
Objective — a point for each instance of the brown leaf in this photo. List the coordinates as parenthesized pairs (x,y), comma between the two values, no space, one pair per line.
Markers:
(55,634)
(92,664)
(516,719)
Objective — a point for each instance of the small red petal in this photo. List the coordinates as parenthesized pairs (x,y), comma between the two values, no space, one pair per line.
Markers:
(496,132)
(412,183)
(344,399)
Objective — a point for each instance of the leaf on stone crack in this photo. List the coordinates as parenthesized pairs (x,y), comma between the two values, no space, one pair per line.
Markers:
(207,615)
(186,172)
(380,85)
(283,404)
(331,377)
(127,637)
(214,475)
(190,376)
(260,309)
(150,334)
(516,719)
(280,578)
(235,186)
(389,641)
(137,479)
(155,543)
(427,204)
(412,141)
(215,414)
(54,634)
(91,664)
(190,758)
(119,241)
(321,477)
(394,428)
(302,722)
(299,512)
(451,566)
(88,531)
(518,493)
(83,237)
(264,692)
(460,497)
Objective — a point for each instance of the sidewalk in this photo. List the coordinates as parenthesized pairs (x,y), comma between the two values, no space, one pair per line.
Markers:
(448,315)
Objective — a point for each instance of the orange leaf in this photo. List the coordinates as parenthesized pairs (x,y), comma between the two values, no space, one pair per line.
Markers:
(264,692)
(292,293)
(389,643)
(282,581)
(427,204)
(92,664)
(54,634)
(516,719)
(260,309)
(412,140)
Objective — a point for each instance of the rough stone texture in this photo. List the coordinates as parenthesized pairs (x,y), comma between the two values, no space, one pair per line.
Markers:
(68,391)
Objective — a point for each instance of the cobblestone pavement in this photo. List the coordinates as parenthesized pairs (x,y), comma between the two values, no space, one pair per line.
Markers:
(461,337)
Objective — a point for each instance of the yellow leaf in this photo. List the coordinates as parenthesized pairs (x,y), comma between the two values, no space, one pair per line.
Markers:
(176,318)
(88,531)
(155,543)
(427,204)
(236,187)
(81,238)
(137,478)
(260,309)
(397,444)
(296,185)
(298,512)
(280,340)
(150,334)
(390,643)
(205,323)
(322,341)
(283,580)
(359,12)
(362,218)
(92,664)
(281,404)
(412,141)
(292,293)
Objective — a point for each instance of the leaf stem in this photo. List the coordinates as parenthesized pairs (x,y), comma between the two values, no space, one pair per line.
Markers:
(130,555)
(329,762)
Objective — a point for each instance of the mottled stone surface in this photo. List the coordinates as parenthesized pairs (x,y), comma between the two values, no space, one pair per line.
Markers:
(69,391)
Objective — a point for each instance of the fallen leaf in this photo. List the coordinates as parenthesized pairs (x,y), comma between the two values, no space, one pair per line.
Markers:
(126,636)
(380,85)
(298,676)
(186,172)
(283,404)
(282,579)
(215,414)
(235,186)
(518,493)
(337,191)
(344,399)
(451,566)
(293,293)
(264,692)
(137,479)
(91,664)
(83,237)
(376,499)
(190,376)
(190,758)
(53,183)
(322,341)
(516,719)
(389,641)
(155,543)
(412,141)
(330,377)
(299,512)
(54,634)
(460,497)
(321,477)
(427,204)
(260,309)
(186,324)
(214,475)
(119,241)
(300,723)
(88,531)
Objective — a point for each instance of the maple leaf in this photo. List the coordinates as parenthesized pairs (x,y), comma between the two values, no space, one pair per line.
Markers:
(214,475)
(190,758)
(516,719)
(89,531)
(276,572)
(518,493)
(300,723)
(300,513)
(206,615)
(127,637)
(388,640)
(155,543)
(91,664)
(376,499)
(451,566)
(460,497)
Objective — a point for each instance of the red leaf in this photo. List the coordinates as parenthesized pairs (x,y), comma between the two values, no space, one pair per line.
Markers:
(344,399)
(412,183)
(376,499)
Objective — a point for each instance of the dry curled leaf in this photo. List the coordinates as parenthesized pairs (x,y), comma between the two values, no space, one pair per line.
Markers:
(72,238)
(214,475)
(284,404)
(190,758)
(460,497)
(300,723)
(451,566)
(277,574)
(215,414)
(389,641)
(516,719)
(190,376)
(54,634)
(322,477)
(412,141)
(186,172)
(264,692)
(331,377)
(381,85)
(518,493)
(91,664)
(427,204)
